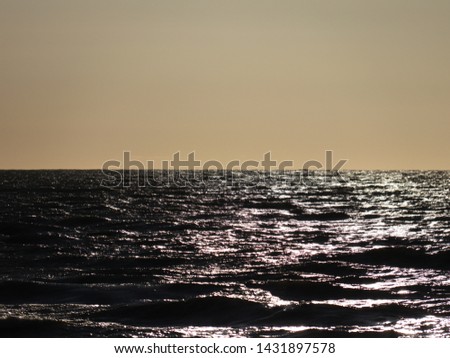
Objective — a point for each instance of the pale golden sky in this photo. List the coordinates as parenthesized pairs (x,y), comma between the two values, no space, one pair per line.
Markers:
(81,81)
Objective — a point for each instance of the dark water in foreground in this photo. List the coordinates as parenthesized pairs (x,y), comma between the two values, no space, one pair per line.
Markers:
(369,257)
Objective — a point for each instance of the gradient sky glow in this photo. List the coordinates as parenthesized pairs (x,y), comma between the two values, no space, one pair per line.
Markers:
(82,81)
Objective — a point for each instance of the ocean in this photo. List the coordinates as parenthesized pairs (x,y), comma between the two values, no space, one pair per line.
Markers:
(364,256)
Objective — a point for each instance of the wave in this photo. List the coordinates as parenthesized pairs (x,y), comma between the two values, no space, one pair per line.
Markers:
(207,311)
(401,257)
(16,292)
(234,312)
(307,290)
(335,332)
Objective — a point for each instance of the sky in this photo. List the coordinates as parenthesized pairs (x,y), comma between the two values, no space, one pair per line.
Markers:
(83,81)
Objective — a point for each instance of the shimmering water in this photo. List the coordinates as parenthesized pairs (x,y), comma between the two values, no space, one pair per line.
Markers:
(366,257)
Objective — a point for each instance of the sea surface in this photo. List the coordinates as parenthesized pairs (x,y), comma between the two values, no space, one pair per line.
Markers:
(279,256)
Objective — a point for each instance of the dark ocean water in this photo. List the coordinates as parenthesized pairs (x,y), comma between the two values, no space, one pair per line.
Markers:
(368,257)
